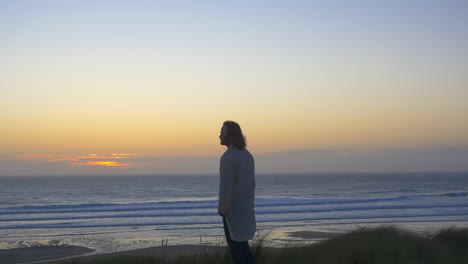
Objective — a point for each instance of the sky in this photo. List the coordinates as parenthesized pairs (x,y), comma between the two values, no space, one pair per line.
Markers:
(143,87)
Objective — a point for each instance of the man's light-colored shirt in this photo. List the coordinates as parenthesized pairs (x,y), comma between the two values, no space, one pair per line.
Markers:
(237,193)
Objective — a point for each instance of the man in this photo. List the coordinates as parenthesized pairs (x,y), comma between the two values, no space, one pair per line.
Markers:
(237,193)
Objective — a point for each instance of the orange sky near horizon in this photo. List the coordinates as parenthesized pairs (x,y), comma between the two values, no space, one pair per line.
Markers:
(282,127)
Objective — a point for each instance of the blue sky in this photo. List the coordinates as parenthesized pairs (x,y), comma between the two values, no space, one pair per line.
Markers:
(157,78)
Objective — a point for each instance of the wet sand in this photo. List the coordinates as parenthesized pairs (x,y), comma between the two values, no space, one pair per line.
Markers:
(168,252)
(23,255)
(311,234)
(51,254)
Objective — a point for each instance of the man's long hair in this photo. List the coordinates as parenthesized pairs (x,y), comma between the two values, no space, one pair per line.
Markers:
(235,133)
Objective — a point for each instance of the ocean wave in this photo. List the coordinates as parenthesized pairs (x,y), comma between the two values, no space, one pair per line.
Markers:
(215,221)
(454,194)
(188,204)
(258,212)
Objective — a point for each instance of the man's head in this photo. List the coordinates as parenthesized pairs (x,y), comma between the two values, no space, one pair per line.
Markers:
(231,134)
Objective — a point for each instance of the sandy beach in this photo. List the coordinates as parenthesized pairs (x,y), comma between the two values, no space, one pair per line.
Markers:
(311,234)
(58,254)
(54,254)
(440,247)
(168,252)
(42,253)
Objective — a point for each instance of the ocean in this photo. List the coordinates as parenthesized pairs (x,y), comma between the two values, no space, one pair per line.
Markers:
(111,213)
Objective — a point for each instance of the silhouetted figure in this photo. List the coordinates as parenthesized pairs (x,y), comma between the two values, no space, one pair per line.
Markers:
(237,193)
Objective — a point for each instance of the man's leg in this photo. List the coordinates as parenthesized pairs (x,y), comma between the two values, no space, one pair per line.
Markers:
(247,253)
(233,245)
(240,251)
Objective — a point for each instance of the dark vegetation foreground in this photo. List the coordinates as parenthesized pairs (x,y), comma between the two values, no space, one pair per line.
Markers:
(380,245)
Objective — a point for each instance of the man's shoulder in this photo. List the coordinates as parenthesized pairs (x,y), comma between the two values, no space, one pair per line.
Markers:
(229,153)
(234,153)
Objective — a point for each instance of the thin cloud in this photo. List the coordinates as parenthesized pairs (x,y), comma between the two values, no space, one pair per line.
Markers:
(83,160)
(102,163)
(26,156)
(63,159)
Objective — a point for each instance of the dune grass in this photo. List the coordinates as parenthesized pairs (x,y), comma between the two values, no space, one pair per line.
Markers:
(382,245)
(378,245)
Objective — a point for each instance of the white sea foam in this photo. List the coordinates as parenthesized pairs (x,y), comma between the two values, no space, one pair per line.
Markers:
(186,213)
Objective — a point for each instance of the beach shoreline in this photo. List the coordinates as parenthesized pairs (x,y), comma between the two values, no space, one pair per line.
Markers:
(55,253)
(62,254)
(41,253)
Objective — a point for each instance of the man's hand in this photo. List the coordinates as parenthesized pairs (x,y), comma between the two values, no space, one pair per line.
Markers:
(221,214)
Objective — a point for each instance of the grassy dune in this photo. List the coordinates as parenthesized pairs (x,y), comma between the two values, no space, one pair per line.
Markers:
(380,245)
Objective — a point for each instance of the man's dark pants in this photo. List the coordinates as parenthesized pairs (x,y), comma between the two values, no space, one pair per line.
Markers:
(240,251)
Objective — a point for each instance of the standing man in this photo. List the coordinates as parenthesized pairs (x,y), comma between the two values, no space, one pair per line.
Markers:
(237,193)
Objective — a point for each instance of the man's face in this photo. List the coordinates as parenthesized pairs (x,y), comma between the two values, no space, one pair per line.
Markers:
(223,137)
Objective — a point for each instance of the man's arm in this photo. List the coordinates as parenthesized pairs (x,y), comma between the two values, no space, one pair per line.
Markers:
(226,182)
